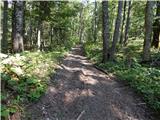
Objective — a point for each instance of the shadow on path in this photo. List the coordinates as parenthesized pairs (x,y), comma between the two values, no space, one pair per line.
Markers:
(78,91)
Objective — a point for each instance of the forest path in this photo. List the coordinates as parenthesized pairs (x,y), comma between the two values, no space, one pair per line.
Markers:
(78,91)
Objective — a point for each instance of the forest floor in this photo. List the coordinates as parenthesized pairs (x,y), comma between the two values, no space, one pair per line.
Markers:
(78,91)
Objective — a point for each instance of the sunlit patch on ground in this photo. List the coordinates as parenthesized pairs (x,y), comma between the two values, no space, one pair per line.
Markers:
(82,90)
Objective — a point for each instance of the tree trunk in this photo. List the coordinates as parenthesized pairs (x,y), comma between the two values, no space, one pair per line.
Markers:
(81,26)
(156,27)
(39,37)
(4,44)
(105,27)
(95,22)
(13,24)
(30,29)
(24,25)
(51,34)
(123,21)
(41,15)
(116,31)
(127,24)
(30,34)
(148,30)
(18,36)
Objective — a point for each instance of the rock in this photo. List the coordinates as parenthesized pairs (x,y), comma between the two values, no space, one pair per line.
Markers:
(17,70)
(2,56)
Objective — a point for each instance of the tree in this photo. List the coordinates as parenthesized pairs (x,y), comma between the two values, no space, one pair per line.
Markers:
(127,23)
(116,30)
(18,27)
(81,27)
(13,24)
(95,21)
(148,30)
(156,27)
(123,21)
(4,44)
(41,13)
(105,27)
(41,10)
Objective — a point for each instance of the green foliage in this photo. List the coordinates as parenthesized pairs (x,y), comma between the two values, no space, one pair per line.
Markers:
(144,79)
(93,51)
(137,19)
(25,78)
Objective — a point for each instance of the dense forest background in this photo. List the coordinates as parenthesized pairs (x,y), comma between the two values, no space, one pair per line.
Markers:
(122,37)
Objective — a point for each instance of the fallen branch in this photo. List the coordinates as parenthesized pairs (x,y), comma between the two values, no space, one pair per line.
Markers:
(100,69)
(78,118)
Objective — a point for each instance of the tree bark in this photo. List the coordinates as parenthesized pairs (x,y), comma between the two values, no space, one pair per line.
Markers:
(4,44)
(156,27)
(127,24)
(30,34)
(24,25)
(95,21)
(148,30)
(123,21)
(81,26)
(105,27)
(51,34)
(13,24)
(39,39)
(116,31)
(18,36)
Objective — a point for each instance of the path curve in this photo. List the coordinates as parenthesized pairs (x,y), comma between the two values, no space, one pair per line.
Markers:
(78,91)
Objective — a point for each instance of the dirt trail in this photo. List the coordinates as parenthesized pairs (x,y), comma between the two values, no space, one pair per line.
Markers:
(78,91)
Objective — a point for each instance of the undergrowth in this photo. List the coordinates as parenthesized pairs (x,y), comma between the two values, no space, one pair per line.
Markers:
(24,78)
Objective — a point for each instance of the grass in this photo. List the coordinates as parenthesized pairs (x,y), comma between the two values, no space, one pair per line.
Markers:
(24,78)
(144,79)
